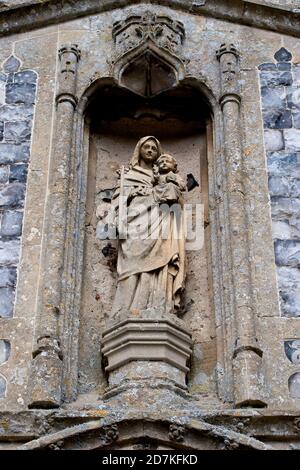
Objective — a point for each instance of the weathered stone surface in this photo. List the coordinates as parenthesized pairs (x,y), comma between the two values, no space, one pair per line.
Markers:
(11,224)
(292,139)
(284,164)
(7,296)
(293,98)
(18,173)
(288,283)
(276,78)
(21,112)
(2,386)
(296,120)
(8,276)
(278,119)
(12,195)
(273,99)
(294,385)
(9,252)
(11,153)
(28,76)
(12,64)
(20,93)
(283,207)
(4,174)
(284,186)
(41,52)
(283,55)
(4,350)
(17,131)
(287,252)
(273,140)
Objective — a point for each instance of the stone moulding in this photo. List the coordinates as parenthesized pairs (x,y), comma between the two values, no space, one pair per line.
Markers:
(27,18)
(104,433)
(146,341)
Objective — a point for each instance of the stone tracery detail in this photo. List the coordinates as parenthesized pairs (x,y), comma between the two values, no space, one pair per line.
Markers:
(151,46)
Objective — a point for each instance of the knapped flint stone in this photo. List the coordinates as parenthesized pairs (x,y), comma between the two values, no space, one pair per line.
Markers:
(2,387)
(278,119)
(16,113)
(12,153)
(287,253)
(293,98)
(281,229)
(279,186)
(17,131)
(290,303)
(273,140)
(13,195)
(296,70)
(4,174)
(295,187)
(273,98)
(284,66)
(4,350)
(283,55)
(27,76)
(296,120)
(20,93)
(286,229)
(275,78)
(267,66)
(288,284)
(18,173)
(8,276)
(7,297)
(284,207)
(292,139)
(284,164)
(9,252)
(1,130)
(11,224)
(284,186)
(12,64)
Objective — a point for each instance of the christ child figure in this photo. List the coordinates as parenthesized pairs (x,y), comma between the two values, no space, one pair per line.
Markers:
(168,184)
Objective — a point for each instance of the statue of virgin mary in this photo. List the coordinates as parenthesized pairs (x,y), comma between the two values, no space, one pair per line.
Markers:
(151,253)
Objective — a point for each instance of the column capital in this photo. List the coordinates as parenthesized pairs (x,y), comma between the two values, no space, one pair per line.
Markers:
(69,49)
(227,49)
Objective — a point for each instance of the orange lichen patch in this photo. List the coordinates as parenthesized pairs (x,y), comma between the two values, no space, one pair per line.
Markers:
(136,311)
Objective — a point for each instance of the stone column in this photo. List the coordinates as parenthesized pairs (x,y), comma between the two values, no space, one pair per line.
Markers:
(246,352)
(47,356)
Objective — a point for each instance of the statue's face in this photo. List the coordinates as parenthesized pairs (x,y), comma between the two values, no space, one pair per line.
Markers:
(166,163)
(149,151)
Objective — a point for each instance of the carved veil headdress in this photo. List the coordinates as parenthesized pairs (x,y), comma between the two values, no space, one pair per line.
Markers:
(136,154)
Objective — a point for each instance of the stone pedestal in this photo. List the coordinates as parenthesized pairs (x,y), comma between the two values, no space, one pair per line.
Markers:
(142,350)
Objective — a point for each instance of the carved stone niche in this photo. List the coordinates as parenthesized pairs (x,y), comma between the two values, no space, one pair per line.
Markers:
(148,53)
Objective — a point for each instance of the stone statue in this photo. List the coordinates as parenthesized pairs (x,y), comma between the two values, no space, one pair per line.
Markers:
(151,251)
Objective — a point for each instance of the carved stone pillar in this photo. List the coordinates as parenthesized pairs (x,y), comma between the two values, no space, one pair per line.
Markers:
(246,352)
(47,362)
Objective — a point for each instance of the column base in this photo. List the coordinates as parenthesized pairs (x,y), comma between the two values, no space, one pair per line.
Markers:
(46,375)
(247,386)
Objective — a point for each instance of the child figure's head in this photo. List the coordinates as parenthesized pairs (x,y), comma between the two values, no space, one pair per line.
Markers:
(166,163)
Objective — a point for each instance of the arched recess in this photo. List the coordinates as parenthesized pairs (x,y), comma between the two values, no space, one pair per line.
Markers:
(108,122)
